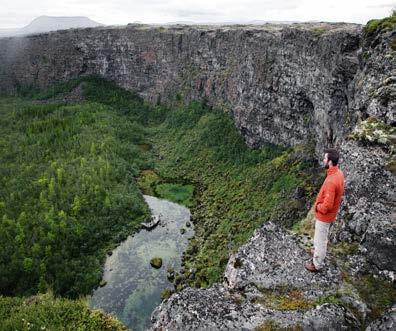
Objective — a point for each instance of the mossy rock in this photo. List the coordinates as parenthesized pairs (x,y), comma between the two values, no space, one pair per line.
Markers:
(391,166)
(376,26)
(306,227)
(345,249)
(271,325)
(147,180)
(374,131)
(165,294)
(318,30)
(393,44)
(377,292)
(170,274)
(284,299)
(156,262)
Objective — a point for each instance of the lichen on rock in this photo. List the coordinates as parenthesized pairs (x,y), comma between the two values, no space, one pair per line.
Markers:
(272,265)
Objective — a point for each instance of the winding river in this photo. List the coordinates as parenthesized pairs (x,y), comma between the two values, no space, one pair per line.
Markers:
(133,287)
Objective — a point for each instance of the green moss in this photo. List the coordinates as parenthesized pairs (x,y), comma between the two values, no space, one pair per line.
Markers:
(178,193)
(378,294)
(334,299)
(393,43)
(147,181)
(391,166)
(318,30)
(44,312)
(376,26)
(271,325)
(284,299)
(165,294)
(156,262)
(344,249)
(374,131)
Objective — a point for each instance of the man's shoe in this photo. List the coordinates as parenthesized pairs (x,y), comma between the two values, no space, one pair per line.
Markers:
(310,267)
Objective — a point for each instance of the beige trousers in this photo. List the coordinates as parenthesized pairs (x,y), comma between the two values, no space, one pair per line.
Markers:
(320,243)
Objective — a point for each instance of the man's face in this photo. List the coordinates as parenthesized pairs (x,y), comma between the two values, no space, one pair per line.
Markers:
(326,161)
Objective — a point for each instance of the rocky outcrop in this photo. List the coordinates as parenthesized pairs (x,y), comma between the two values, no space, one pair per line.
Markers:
(368,214)
(265,283)
(386,322)
(273,259)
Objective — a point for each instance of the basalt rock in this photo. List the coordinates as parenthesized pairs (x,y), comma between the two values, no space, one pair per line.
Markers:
(386,322)
(368,213)
(273,259)
(289,79)
(270,262)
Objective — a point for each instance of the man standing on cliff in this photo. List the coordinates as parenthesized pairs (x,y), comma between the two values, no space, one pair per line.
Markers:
(326,207)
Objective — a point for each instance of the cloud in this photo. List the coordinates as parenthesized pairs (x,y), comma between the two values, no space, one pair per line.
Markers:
(383,5)
(18,13)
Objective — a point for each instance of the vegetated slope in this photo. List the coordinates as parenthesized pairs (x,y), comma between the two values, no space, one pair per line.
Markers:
(237,188)
(67,192)
(44,312)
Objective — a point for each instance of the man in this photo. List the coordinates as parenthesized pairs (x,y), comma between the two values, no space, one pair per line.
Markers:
(326,207)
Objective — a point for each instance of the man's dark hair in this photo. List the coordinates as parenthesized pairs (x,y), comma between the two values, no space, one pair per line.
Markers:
(333,155)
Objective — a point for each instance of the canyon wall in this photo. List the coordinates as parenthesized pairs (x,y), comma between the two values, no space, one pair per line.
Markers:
(285,84)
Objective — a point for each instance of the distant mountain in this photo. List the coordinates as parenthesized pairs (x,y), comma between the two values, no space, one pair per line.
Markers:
(254,22)
(51,23)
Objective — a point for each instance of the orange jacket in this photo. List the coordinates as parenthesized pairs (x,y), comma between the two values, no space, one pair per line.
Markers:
(329,197)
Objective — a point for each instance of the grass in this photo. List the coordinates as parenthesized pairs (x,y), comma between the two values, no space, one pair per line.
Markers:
(178,193)
(284,300)
(271,325)
(378,294)
(318,30)
(44,312)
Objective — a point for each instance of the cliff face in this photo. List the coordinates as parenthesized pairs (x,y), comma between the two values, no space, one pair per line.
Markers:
(324,84)
(292,80)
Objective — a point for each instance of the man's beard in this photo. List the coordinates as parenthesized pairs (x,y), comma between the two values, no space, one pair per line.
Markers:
(327,166)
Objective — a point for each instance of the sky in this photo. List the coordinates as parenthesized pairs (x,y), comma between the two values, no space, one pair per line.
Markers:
(18,13)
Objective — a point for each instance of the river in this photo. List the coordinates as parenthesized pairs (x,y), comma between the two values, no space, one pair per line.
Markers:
(133,287)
